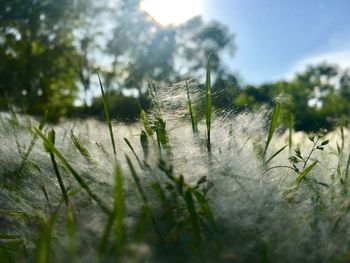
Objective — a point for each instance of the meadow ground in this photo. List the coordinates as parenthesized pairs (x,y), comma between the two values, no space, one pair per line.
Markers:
(165,196)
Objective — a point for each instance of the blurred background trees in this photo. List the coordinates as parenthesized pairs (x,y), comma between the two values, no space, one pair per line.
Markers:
(50,51)
(39,60)
(318,97)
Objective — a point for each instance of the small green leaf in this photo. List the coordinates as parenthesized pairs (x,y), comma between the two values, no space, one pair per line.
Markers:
(276,153)
(325,142)
(144,143)
(273,124)
(305,172)
(51,137)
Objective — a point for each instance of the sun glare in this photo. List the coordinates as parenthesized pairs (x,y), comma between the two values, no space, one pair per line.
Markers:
(173,12)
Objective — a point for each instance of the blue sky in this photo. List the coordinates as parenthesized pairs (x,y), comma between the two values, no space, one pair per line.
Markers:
(276,38)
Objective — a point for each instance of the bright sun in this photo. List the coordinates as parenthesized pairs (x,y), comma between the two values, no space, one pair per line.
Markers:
(172,11)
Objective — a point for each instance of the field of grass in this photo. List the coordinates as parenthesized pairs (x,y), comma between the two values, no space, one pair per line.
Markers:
(176,187)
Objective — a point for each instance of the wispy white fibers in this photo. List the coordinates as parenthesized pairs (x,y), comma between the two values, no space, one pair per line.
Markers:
(251,201)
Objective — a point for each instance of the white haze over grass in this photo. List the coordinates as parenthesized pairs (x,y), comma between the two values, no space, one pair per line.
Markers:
(310,225)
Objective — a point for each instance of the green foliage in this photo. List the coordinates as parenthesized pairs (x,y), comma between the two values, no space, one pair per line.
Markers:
(155,201)
(38,59)
(312,98)
(123,108)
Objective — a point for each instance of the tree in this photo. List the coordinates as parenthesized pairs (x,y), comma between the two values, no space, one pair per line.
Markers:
(38,58)
(196,40)
(316,97)
(143,49)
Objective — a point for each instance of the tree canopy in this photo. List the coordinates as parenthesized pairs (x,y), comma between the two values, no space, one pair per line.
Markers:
(50,51)
(38,58)
(318,97)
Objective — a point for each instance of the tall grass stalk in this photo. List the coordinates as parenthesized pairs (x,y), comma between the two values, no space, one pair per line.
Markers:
(106,108)
(133,151)
(194,219)
(208,103)
(143,195)
(290,128)
(116,218)
(72,233)
(193,114)
(347,168)
(43,246)
(51,138)
(119,208)
(273,125)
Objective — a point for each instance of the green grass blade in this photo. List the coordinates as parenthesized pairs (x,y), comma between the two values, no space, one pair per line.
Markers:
(51,137)
(143,195)
(59,178)
(144,144)
(32,143)
(305,172)
(72,233)
(133,151)
(107,115)
(159,192)
(275,154)
(206,209)
(193,216)
(290,128)
(116,217)
(81,148)
(347,168)
(208,103)
(146,123)
(137,181)
(273,125)
(44,239)
(119,202)
(342,137)
(141,224)
(193,114)
(299,179)
(75,174)
(15,125)
(106,232)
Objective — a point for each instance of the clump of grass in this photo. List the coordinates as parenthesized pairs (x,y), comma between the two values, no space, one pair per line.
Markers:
(180,207)
(75,174)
